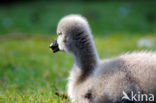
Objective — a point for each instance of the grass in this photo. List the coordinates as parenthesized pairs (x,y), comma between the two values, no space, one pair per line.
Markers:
(31,73)
(27,65)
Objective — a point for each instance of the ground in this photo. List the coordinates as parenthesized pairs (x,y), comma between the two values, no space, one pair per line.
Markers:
(30,72)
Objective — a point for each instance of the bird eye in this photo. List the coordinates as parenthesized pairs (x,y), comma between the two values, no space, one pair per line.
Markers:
(59,33)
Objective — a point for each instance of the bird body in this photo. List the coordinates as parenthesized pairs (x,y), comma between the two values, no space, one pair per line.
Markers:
(129,72)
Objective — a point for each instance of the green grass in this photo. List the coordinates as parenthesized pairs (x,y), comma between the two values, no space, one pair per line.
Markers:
(31,73)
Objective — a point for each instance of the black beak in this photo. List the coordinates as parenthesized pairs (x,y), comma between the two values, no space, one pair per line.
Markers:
(54,46)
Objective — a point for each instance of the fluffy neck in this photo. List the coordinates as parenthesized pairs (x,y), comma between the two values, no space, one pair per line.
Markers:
(86,56)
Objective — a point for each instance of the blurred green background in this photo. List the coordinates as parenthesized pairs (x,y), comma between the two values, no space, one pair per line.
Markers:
(104,17)
(31,73)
